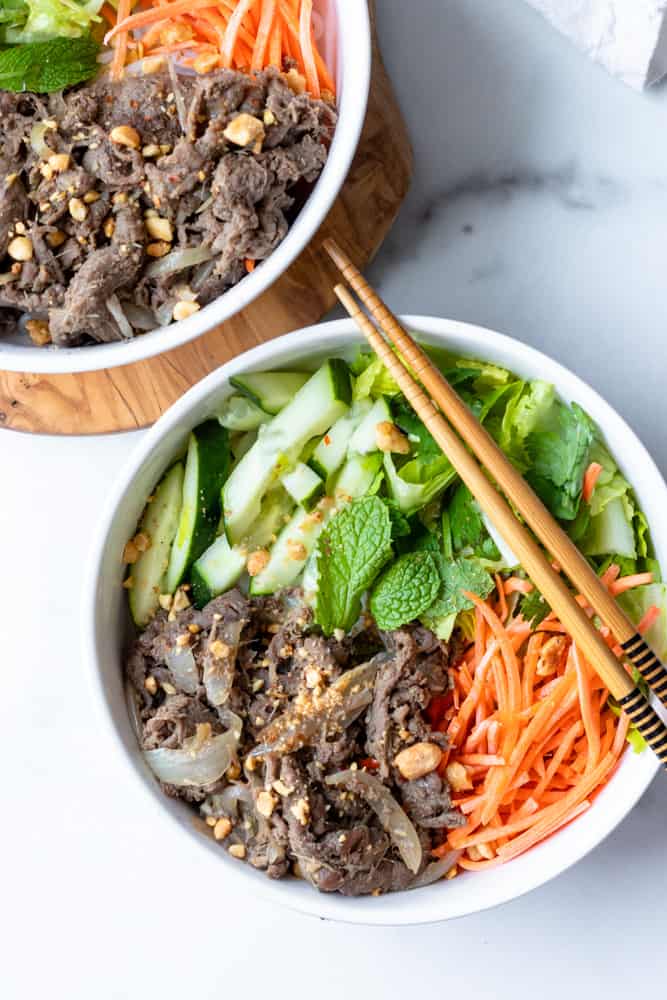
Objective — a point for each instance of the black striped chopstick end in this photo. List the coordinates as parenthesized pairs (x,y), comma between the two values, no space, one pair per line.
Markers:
(647,663)
(649,724)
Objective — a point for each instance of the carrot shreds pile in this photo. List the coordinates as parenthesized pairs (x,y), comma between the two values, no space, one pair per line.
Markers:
(247,35)
(533,736)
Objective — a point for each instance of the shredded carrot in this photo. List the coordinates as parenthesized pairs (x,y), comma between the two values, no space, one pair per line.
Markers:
(536,750)
(249,265)
(651,616)
(517,585)
(628,582)
(248,35)
(591,476)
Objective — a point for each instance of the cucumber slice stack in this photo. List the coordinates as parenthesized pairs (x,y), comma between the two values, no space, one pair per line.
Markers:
(159,523)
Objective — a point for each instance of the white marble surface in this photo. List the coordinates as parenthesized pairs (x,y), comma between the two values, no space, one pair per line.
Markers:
(539,208)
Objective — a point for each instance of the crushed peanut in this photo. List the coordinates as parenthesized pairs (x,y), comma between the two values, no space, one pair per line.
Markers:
(256,561)
(237,851)
(152,64)
(173,33)
(125,135)
(551,655)
(244,130)
(181,600)
(211,820)
(282,788)
(295,81)
(168,688)
(269,117)
(205,62)
(20,248)
(296,550)
(222,828)
(165,601)
(233,772)
(389,438)
(128,582)
(130,552)
(183,640)
(109,226)
(301,811)
(38,331)
(457,776)
(160,229)
(219,649)
(151,684)
(418,760)
(158,249)
(266,803)
(77,209)
(183,309)
(56,239)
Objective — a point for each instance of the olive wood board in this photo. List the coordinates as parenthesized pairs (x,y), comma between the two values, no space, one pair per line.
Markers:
(134,396)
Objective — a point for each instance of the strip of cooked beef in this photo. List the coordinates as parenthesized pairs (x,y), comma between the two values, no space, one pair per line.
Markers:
(83,212)
(274,665)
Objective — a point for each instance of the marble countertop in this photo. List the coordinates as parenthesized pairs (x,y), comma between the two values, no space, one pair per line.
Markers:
(539,208)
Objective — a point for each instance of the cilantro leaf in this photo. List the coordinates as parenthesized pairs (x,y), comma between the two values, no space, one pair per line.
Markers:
(426,447)
(44,67)
(350,553)
(405,590)
(534,608)
(456,576)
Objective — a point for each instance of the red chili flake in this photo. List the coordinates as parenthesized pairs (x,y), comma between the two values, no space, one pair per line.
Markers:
(369,763)
(327,439)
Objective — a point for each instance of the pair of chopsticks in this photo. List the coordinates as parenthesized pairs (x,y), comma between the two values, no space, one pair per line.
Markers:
(445,414)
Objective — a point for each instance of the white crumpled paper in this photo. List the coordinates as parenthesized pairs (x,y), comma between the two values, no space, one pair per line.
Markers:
(627,37)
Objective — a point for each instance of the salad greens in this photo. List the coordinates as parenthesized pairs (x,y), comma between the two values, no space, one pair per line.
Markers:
(25,21)
(46,45)
(408,587)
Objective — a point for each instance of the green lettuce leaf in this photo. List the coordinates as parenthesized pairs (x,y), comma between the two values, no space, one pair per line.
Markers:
(417,482)
(373,379)
(636,603)
(42,20)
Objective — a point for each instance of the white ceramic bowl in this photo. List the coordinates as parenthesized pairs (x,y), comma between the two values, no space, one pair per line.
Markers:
(347,46)
(106,625)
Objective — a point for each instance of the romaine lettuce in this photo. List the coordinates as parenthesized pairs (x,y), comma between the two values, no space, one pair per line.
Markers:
(40,20)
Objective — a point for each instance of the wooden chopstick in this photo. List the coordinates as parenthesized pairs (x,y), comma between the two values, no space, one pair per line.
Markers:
(513,485)
(550,584)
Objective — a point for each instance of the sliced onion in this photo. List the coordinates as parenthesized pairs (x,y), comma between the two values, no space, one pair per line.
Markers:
(394,820)
(182,664)
(116,310)
(227,801)
(140,317)
(204,205)
(219,671)
(178,260)
(202,273)
(197,763)
(336,708)
(37,133)
(436,870)
(133,709)
(178,96)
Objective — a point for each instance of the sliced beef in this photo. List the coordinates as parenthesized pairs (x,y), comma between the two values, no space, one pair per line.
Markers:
(269,660)
(104,273)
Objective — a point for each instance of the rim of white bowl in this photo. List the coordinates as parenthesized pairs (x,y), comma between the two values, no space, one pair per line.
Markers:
(354,71)
(557,854)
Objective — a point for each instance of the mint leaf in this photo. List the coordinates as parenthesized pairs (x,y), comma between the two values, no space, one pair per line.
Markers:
(456,576)
(350,553)
(400,526)
(43,67)
(405,590)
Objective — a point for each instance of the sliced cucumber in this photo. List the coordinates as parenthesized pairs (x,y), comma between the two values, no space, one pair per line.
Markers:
(364,440)
(159,523)
(238,413)
(206,470)
(270,390)
(330,452)
(304,485)
(285,564)
(222,565)
(322,400)
(241,443)
(357,476)
(283,568)
(216,571)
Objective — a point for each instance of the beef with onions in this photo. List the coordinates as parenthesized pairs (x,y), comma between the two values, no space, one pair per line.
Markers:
(302,754)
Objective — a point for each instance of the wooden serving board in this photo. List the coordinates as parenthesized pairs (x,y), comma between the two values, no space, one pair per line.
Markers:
(127,398)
